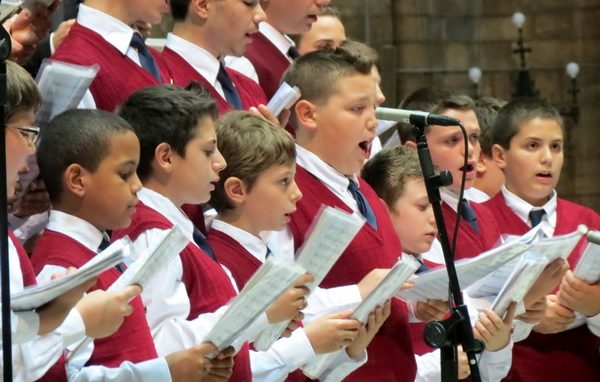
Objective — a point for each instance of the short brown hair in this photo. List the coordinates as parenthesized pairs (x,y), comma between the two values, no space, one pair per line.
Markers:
(316,74)
(486,109)
(362,50)
(517,112)
(179,9)
(250,145)
(22,93)
(389,171)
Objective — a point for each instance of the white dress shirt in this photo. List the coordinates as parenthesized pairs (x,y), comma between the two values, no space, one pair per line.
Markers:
(165,298)
(114,31)
(476,195)
(548,224)
(200,59)
(151,370)
(289,354)
(282,42)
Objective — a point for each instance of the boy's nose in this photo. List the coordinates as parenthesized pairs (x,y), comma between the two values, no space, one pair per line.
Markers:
(219,163)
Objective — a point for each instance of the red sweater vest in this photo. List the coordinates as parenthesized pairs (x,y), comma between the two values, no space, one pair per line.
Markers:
(469,243)
(118,76)
(268,61)
(572,355)
(234,256)
(242,265)
(390,353)
(183,73)
(132,341)
(206,283)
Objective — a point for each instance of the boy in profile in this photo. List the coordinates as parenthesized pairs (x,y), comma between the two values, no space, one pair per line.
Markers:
(88,161)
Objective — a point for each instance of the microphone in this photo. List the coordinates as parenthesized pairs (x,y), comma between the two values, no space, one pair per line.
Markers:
(594,237)
(413,117)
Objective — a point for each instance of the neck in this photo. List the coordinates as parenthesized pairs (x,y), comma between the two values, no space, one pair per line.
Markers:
(237,218)
(533,201)
(161,186)
(197,35)
(78,209)
(115,9)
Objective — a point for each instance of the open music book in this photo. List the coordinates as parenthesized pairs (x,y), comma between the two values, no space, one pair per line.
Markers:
(36,296)
(400,272)
(329,235)
(552,248)
(588,267)
(522,278)
(273,278)
(434,284)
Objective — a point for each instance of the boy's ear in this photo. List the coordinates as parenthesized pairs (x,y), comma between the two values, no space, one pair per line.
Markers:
(499,155)
(163,157)
(411,144)
(481,167)
(74,179)
(235,189)
(199,8)
(305,114)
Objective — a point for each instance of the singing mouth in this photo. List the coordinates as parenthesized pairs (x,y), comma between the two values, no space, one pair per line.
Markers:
(468,168)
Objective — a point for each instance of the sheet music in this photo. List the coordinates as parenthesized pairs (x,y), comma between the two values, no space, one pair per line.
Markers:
(400,272)
(552,248)
(157,257)
(284,98)
(34,297)
(62,87)
(522,278)
(272,279)
(434,284)
(329,235)
(588,267)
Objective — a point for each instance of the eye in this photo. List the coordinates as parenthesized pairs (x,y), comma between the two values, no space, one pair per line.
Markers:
(286,181)
(556,146)
(423,207)
(474,138)
(452,140)
(125,175)
(532,145)
(358,109)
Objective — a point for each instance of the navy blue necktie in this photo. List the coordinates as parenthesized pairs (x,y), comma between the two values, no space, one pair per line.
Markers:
(423,267)
(146,58)
(231,94)
(103,245)
(467,213)
(201,241)
(536,217)
(363,205)
(293,53)
(269,253)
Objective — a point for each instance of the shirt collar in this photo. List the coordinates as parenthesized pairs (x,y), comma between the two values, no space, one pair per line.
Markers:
(282,42)
(200,59)
(521,208)
(334,179)
(450,198)
(76,228)
(168,209)
(114,31)
(476,195)
(251,243)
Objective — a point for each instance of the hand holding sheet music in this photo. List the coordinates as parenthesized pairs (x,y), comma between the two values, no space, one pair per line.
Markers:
(266,285)
(397,276)
(330,233)
(523,276)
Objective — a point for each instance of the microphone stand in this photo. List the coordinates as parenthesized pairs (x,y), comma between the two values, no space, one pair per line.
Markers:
(447,334)
(5,49)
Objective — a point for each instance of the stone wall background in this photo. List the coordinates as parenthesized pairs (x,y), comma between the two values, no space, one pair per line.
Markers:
(436,42)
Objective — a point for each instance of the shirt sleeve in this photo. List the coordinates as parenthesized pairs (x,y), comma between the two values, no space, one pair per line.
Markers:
(341,367)
(594,324)
(152,370)
(24,326)
(285,356)
(31,360)
(324,301)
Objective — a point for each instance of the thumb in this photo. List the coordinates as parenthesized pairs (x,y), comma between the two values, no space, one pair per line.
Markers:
(340,315)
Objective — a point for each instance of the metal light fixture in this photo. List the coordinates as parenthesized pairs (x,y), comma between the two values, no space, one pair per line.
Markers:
(572,70)
(524,86)
(475,77)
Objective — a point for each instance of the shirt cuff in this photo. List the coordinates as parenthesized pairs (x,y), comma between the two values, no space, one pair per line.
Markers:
(26,326)
(298,350)
(594,324)
(73,328)
(154,370)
